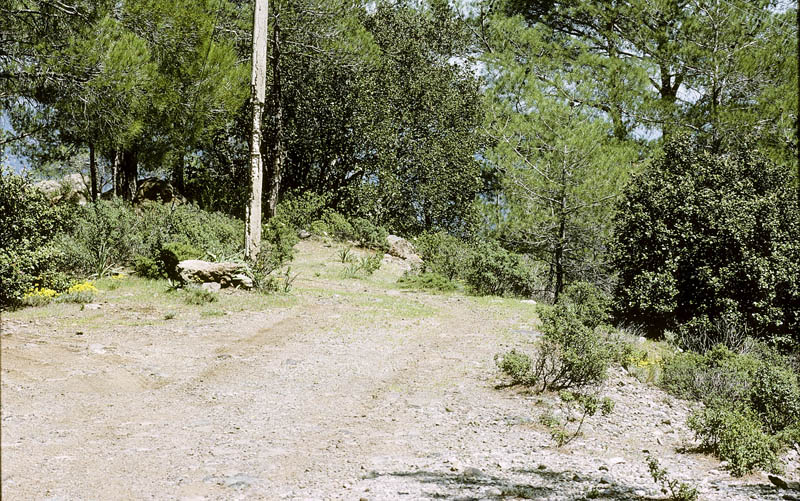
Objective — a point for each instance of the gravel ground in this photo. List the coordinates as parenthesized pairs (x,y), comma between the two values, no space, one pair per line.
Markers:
(354,392)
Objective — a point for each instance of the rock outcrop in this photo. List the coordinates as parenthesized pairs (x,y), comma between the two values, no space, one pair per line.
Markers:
(157,190)
(402,248)
(71,188)
(196,271)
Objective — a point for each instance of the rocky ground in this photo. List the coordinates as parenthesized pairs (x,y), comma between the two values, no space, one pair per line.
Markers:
(347,389)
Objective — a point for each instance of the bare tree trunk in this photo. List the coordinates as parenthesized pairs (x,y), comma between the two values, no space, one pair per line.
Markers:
(129,174)
(258,89)
(115,173)
(278,150)
(558,258)
(93,172)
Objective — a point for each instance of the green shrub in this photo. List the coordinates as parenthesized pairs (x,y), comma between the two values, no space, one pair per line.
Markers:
(498,272)
(338,226)
(570,355)
(444,254)
(426,281)
(719,375)
(370,235)
(735,436)
(277,248)
(515,365)
(680,374)
(147,267)
(301,210)
(702,236)
(589,303)
(370,263)
(28,225)
(584,356)
(278,240)
(775,397)
(678,491)
(173,253)
(105,236)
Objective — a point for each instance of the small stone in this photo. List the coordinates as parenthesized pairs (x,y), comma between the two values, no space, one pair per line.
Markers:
(494,492)
(472,472)
(303,234)
(92,306)
(211,286)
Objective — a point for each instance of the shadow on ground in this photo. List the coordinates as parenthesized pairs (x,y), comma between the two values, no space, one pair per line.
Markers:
(540,484)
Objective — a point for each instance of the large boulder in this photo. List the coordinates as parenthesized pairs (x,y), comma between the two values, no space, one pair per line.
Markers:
(196,271)
(402,248)
(71,188)
(157,190)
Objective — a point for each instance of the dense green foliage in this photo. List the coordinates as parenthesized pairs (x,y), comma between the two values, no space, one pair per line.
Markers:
(496,271)
(28,226)
(703,236)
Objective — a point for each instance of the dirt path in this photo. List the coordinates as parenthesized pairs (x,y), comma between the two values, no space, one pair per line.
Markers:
(354,391)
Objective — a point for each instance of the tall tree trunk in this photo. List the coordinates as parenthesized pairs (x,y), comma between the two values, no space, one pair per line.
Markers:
(258,89)
(558,258)
(93,172)
(179,174)
(129,174)
(115,173)
(278,154)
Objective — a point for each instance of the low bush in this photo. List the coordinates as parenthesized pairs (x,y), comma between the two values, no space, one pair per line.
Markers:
(678,491)
(147,267)
(426,281)
(338,226)
(28,225)
(370,235)
(775,397)
(497,272)
(720,374)
(590,304)
(735,435)
(570,355)
(444,254)
(752,402)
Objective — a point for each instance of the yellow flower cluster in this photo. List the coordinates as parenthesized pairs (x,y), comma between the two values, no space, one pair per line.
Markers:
(41,292)
(643,360)
(84,286)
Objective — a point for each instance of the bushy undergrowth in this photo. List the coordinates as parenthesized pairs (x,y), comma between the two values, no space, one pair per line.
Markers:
(111,234)
(444,254)
(427,281)
(29,223)
(497,272)
(752,402)
(573,351)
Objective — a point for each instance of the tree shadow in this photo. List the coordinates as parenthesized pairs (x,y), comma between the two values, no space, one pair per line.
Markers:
(540,484)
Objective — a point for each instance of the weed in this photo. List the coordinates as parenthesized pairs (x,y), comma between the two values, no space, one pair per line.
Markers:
(677,491)
(576,407)
(346,254)
(198,296)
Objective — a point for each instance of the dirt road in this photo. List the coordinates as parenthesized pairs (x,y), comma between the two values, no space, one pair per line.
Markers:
(348,391)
